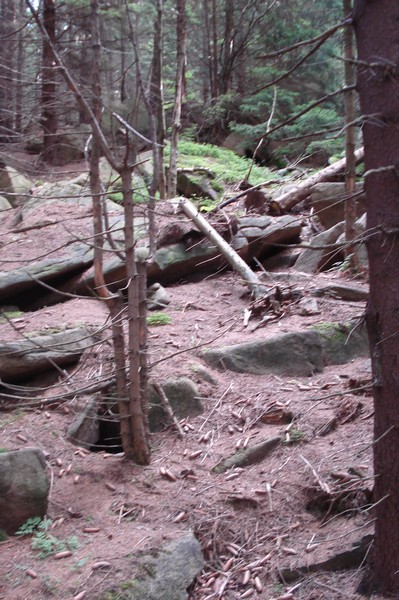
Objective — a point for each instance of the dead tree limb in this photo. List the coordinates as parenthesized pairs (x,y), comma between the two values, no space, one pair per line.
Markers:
(302,190)
(238,264)
(168,409)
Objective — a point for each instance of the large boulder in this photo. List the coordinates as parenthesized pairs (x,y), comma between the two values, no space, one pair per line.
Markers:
(182,394)
(37,354)
(293,354)
(64,211)
(257,236)
(323,251)
(14,186)
(68,146)
(91,431)
(328,202)
(195,184)
(164,574)
(360,248)
(24,487)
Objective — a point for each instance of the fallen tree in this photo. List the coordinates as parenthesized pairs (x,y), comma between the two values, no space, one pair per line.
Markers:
(302,190)
(251,280)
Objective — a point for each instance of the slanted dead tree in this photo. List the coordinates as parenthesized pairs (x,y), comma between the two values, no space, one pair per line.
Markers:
(255,286)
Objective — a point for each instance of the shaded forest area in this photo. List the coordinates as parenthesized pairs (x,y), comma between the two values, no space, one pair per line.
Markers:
(113,114)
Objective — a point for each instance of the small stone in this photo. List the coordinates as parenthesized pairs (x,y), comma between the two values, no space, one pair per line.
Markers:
(308,306)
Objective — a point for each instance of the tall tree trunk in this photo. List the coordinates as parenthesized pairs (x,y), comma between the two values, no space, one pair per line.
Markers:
(154,105)
(122,26)
(215,54)
(350,145)
(136,359)
(49,119)
(157,106)
(376,28)
(19,91)
(207,50)
(7,46)
(181,35)
(226,70)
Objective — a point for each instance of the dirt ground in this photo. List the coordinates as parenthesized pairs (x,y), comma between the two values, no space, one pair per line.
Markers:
(304,503)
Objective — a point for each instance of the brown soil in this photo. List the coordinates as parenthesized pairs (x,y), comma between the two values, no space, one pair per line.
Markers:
(259,513)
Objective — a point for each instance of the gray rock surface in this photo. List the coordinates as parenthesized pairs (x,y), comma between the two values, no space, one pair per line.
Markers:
(166,573)
(195,184)
(182,394)
(28,357)
(14,186)
(157,297)
(24,487)
(322,252)
(293,354)
(85,430)
(4,203)
(328,202)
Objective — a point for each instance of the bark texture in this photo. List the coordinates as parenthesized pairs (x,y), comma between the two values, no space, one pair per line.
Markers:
(376,28)
(49,119)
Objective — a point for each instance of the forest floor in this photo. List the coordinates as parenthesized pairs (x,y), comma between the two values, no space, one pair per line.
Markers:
(304,503)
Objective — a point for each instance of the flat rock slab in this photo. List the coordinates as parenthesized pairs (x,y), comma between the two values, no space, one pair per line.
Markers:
(28,357)
(293,354)
(24,487)
(166,573)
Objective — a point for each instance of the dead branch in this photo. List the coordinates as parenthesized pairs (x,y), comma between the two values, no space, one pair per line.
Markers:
(168,409)
(321,36)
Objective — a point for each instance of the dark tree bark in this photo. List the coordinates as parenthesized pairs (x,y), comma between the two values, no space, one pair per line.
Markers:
(180,67)
(49,119)
(208,73)
(215,57)
(350,134)
(157,105)
(7,46)
(227,48)
(376,28)
(19,91)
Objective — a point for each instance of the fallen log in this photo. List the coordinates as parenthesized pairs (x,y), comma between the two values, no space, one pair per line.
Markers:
(251,280)
(302,190)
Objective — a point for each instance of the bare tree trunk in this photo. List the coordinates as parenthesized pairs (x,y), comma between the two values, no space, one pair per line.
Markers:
(157,106)
(208,74)
(141,450)
(225,77)
(181,35)
(376,29)
(49,118)
(154,114)
(350,133)
(122,25)
(114,302)
(215,58)
(7,46)
(19,91)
